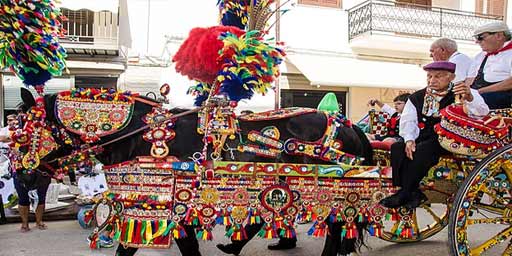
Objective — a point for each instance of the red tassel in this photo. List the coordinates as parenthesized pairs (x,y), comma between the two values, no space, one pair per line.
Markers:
(351,231)
(88,217)
(279,222)
(93,241)
(239,233)
(268,231)
(406,232)
(320,230)
(123,231)
(137,239)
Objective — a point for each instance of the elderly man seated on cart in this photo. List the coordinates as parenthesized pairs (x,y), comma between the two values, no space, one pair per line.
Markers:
(420,150)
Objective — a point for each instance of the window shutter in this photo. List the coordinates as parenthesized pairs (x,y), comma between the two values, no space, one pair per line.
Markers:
(418,2)
(493,7)
(323,3)
(479,6)
(496,7)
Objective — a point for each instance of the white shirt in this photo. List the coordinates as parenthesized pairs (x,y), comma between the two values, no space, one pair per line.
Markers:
(497,68)
(4,131)
(463,63)
(409,129)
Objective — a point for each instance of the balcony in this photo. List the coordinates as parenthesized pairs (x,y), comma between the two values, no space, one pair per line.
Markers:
(91,32)
(400,27)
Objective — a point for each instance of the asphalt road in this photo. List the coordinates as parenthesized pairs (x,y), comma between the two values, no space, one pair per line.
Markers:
(67,238)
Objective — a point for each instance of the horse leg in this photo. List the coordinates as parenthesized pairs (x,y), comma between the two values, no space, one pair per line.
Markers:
(125,251)
(189,245)
(235,247)
(333,239)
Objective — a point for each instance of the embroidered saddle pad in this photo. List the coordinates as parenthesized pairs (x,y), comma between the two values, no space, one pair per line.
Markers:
(277,114)
(461,134)
(92,118)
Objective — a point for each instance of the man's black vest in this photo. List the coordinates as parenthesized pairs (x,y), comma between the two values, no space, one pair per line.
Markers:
(426,123)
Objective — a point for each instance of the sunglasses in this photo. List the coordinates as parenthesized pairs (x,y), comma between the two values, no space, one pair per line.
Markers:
(481,37)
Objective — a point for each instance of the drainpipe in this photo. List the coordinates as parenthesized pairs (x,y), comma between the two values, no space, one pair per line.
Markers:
(2,100)
(147,33)
(278,38)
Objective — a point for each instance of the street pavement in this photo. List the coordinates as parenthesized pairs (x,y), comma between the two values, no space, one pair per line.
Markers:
(67,238)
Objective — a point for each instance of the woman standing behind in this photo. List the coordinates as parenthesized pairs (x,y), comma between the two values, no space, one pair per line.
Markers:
(29,186)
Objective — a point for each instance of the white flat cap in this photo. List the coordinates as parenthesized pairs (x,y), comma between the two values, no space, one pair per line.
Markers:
(491,27)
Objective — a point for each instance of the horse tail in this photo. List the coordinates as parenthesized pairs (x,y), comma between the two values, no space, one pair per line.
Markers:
(367,147)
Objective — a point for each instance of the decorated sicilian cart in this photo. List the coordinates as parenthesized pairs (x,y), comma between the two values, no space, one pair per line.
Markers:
(175,174)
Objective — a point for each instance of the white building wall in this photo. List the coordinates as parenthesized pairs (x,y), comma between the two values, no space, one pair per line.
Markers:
(467,5)
(309,27)
(173,18)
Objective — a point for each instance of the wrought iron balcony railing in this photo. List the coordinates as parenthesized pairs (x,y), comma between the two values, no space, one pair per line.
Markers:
(416,20)
(89,27)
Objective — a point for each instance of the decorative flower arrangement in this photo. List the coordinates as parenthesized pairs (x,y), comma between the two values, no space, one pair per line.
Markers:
(239,64)
(29,40)
(99,94)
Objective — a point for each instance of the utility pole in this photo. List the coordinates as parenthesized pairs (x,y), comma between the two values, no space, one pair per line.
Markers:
(2,101)
(278,38)
(147,30)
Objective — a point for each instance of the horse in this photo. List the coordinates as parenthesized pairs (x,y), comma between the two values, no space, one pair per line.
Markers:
(306,127)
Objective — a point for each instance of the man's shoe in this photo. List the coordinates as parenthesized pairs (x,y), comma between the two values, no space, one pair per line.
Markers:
(228,249)
(417,199)
(280,246)
(394,201)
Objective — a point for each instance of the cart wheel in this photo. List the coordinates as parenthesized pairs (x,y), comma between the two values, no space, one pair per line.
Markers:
(405,226)
(481,218)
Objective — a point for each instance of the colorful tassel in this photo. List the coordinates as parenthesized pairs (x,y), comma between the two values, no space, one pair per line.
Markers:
(237,232)
(205,233)
(29,43)
(149,232)
(349,231)
(288,231)
(268,231)
(177,230)
(319,229)
(93,241)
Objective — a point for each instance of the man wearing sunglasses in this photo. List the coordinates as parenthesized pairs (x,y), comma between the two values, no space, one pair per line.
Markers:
(491,70)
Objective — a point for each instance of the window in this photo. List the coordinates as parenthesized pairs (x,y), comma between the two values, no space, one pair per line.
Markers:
(323,3)
(95,82)
(309,98)
(79,25)
(416,2)
(490,7)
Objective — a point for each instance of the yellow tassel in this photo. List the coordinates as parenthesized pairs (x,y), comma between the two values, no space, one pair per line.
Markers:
(131,224)
(161,229)
(149,232)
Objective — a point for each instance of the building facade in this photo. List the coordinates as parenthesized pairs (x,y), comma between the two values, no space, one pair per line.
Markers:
(373,49)
(357,49)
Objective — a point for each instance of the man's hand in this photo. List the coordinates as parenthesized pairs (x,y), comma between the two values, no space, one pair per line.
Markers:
(374,102)
(410,148)
(464,91)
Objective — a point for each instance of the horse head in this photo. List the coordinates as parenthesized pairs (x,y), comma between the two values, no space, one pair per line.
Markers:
(129,142)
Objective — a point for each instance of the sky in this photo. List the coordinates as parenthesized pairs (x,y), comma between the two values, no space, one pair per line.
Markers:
(166,17)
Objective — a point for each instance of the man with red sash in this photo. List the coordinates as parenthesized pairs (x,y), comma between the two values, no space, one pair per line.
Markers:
(420,150)
(491,70)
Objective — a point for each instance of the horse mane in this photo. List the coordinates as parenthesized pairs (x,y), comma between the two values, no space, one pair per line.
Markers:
(178,110)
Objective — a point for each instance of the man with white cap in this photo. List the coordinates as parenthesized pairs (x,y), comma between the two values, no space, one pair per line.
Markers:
(491,70)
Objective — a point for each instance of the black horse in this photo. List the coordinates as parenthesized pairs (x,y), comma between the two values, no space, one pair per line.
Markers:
(306,127)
